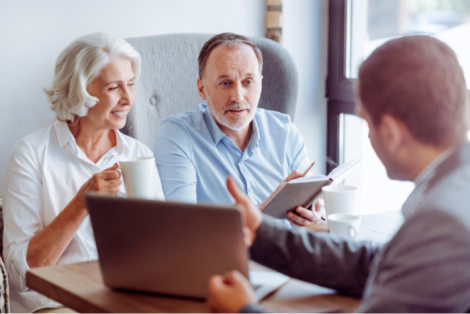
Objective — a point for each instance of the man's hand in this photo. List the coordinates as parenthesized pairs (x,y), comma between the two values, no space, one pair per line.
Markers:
(229,293)
(303,216)
(293,175)
(251,215)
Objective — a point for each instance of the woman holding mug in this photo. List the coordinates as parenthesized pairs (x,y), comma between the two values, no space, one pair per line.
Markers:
(49,171)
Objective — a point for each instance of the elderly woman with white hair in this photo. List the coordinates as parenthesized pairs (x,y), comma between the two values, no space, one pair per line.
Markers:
(49,171)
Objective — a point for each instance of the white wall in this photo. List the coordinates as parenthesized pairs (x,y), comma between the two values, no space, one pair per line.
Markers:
(305,31)
(32,34)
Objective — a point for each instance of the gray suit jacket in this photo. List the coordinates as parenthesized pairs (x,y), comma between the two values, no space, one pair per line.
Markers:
(424,268)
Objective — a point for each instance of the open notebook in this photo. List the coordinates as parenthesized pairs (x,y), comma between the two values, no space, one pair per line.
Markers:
(304,191)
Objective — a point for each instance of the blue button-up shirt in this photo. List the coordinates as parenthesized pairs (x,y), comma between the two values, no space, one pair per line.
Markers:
(194,157)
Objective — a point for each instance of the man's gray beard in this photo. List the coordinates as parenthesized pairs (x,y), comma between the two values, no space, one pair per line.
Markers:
(221,118)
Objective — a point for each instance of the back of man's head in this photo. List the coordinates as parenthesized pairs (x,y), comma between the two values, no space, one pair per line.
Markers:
(418,80)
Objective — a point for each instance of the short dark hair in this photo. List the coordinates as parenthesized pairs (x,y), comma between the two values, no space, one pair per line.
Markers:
(230,40)
(418,80)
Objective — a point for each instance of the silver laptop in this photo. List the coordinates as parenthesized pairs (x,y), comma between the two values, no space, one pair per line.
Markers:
(169,248)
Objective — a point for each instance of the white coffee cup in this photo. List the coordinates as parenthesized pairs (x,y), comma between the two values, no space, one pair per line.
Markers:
(345,225)
(339,199)
(137,174)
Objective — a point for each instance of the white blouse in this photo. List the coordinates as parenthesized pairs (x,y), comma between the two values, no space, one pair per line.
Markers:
(45,171)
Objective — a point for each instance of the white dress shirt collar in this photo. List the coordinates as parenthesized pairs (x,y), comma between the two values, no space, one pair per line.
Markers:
(64,136)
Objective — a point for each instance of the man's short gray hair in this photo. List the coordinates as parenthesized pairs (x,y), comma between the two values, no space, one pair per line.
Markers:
(229,40)
(78,66)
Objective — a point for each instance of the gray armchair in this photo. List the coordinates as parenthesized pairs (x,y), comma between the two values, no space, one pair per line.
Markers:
(167,84)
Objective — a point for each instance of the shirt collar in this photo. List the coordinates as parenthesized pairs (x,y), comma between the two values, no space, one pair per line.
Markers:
(63,133)
(217,134)
(64,136)
(122,145)
(426,175)
(214,130)
(422,181)
(255,137)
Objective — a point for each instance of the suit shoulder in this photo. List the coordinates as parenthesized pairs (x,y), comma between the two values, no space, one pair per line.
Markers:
(450,194)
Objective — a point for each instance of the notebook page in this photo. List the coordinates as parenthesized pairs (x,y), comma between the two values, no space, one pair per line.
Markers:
(310,178)
(339,173)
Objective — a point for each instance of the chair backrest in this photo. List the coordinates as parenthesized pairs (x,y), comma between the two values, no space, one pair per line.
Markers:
(167,85)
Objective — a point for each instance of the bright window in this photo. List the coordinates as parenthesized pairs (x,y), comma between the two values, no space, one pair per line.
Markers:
(370,23)
(377,193)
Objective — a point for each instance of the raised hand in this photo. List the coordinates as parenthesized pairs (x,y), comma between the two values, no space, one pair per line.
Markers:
(251,214)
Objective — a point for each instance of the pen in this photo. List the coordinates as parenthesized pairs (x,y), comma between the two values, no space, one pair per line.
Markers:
(308,169)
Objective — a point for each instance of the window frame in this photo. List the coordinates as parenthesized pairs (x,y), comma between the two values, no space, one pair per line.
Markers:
(339,88)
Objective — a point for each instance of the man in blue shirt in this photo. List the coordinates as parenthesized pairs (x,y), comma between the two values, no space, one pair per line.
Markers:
(230,136)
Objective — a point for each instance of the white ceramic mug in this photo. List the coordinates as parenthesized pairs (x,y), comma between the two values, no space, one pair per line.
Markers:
(137,174)
(345,225)
(338,199)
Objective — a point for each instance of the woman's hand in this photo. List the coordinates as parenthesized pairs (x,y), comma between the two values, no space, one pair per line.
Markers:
(106,182)
(46,246)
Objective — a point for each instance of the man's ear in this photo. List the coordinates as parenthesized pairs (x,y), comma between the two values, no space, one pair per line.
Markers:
(392,133)
(201,88)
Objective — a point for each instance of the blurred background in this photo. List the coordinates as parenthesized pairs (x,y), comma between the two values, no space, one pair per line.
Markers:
(33,33)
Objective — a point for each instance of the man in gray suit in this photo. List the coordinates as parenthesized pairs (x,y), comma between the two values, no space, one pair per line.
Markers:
(412,93)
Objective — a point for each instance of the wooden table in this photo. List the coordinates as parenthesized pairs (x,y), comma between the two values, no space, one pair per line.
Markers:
(80,286)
